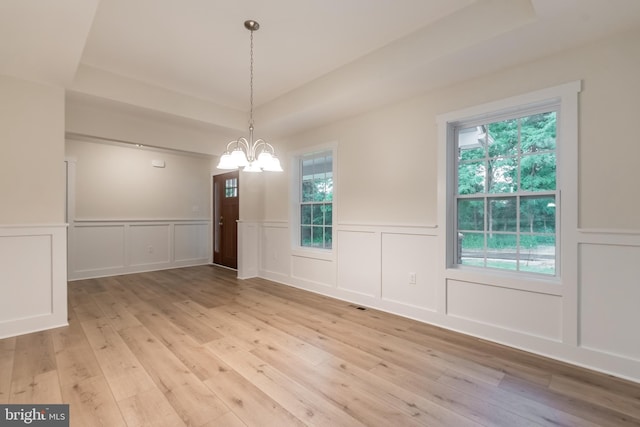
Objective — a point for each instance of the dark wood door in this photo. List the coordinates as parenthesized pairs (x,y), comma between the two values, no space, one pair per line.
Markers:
(226,198)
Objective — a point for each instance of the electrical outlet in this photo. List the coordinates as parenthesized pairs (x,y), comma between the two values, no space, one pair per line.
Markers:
(412,278)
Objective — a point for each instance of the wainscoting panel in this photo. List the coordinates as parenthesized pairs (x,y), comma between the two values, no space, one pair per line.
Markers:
(525,312)
(359,262)
(32,279)
(313,270)
(106,248)
(275,246)
(97,247)
(191,242)
(19,255)
(404,255)
(148,244)
(610,299)
(248,249)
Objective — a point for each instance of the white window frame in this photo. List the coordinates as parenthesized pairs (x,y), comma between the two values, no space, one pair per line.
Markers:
(566,96)
(296,182)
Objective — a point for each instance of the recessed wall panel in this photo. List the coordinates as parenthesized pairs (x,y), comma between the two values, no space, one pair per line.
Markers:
(359,262)
(275,250)
(610,299)
(33,279)
(191,241)
(25,277)
(98,247)
(515,310)
(149,244)
(409,274)
(318,271)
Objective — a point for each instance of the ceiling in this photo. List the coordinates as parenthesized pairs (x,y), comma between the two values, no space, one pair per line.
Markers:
(201,47)
(315,60)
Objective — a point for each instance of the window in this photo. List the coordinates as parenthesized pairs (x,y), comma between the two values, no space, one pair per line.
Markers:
(508,191)
(231,187)
(506,203)
(316,199)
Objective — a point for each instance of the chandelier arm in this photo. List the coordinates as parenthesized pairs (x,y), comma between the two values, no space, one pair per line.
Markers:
(273,150)
(240,142)
(262,142)
(234,142)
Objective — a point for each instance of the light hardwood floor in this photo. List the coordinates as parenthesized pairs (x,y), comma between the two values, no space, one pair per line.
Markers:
(194,346)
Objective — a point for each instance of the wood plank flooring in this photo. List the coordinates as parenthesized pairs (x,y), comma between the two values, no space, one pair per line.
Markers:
(197,347)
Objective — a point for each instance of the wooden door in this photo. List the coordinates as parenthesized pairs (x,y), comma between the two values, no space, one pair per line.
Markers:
(226,197)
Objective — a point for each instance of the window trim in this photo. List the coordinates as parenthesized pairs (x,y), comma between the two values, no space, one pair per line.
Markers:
(296,179)
(566,96)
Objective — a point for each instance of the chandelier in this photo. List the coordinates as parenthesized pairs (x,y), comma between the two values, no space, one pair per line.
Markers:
(250,155)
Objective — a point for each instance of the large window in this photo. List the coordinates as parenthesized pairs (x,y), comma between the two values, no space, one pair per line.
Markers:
(316,199)
(506,203)
(508,190)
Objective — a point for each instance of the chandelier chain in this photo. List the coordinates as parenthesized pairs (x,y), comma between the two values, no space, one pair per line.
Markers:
(251,82)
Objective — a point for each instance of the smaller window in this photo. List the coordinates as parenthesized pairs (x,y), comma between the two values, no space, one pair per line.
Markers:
(231,187)
(316,200)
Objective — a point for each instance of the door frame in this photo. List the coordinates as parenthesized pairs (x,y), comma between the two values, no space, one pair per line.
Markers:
(218,255)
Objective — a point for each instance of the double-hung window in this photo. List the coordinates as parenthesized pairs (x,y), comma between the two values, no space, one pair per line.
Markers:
(506,201)
(316,199)
(504,167)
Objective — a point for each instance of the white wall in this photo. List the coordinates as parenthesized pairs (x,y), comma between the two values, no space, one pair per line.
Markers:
(32,194)
(387,222)
(126,215)
(120,182)
(32,176)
